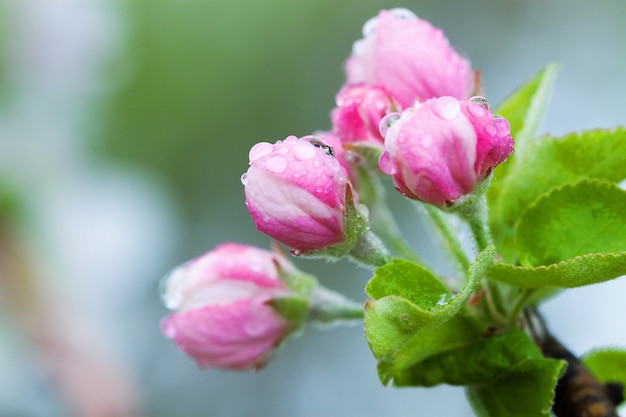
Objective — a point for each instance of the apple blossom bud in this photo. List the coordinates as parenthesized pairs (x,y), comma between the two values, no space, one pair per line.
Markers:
(296,192)
(410,58)
(222,315)
(438,151)
(359,111)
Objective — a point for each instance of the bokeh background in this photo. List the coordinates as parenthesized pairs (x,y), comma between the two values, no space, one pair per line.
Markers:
(125,128)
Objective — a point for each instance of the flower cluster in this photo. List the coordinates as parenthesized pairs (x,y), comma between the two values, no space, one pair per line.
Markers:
(407,104)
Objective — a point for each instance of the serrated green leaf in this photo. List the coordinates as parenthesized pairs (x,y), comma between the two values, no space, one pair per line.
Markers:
(519,393)
(403,326)
(507,375)
(582,218)
(576,272)
(524,110)
(607,365)
(408,280)
(552,162)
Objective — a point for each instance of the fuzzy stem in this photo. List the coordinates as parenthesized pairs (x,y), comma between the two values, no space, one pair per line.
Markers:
(449,237)
(327,306)
(382,220)
(370,251)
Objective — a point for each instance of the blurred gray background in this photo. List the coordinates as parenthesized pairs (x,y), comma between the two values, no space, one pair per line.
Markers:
(126,126)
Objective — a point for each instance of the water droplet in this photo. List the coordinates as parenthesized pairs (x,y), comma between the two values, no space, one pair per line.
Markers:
(296,252)
(369,28)
(303,151)
(503,125)
(482,101)
(386,122)
(426,141)
(244,178)
(319,143)
(260,150)
(386,165)
(359,48)
(491,129)
(443,300)
(402,13)
(276,163)
(447,107)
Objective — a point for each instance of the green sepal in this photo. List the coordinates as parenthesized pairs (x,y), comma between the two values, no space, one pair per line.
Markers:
(582,218)
(524,110)
(576,272)
(552,162)
(505,375)
(409,316)
(293,309)
(607,365)
(360,243)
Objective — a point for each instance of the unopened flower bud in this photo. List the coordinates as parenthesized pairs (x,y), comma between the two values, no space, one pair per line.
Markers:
(223,316)
(438,151)
(360,108)
(410,58)
(296,192)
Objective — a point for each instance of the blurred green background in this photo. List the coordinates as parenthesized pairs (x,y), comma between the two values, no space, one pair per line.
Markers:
(125,126)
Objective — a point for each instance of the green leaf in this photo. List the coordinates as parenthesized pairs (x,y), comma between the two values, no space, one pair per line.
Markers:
(607,365)
(11,206)
(552,162)
(519,393)
(506,375)
(524,110)
(577,219)
(408,280)
(576,272)
(409,318)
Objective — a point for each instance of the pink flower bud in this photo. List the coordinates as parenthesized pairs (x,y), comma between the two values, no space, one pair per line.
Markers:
(222,318)
(296,192)
(410,58)
(438,151)
(359,111)
(345,158)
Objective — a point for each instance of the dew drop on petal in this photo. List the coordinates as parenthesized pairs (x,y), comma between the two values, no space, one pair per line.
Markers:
(359,48)
(477,111)
(369,28)
(276,163)
(447,107)
(386,164)
(482,101)
(244,178)
(386,122)
(426,141)
(303,151)
(491,129)
(402,13)
(319,143)
(260,150)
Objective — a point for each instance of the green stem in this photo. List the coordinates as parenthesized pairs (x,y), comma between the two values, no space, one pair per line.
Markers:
(381,219)
(475,212)
(326,306)
(519,306)
(450,237)
(370,250)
